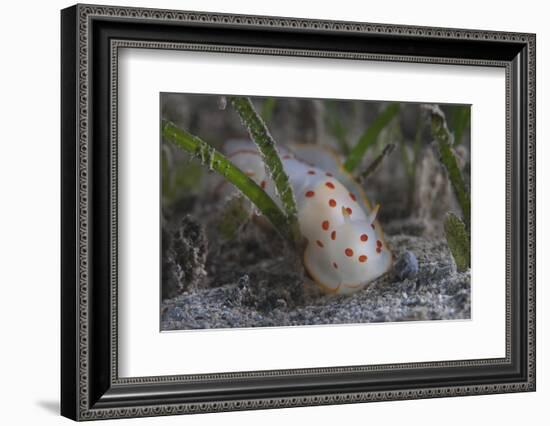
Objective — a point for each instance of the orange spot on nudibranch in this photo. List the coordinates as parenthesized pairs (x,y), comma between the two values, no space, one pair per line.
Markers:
(349,211)
(325,225)
(349,252)
(364,237)
(352,196)
(362,258)
(320,244)
(262,184)
(378,249)
(332,203)
(310,194)
(335,265)
(329,185)
(378,243)
(311,172)
(333,235)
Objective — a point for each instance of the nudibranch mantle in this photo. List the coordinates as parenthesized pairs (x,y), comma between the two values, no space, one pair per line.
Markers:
(345,244)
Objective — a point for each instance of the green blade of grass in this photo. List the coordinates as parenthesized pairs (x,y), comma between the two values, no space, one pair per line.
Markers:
(461,121)
(267,109)
(458,241)
(236,214)
(336,128)
(444,139)
(369,136)
(216,161)
(274,166)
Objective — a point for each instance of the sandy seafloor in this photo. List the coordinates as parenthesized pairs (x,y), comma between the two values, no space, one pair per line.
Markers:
(267,292)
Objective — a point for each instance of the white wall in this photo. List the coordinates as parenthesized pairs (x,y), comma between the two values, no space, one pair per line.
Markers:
(29,225)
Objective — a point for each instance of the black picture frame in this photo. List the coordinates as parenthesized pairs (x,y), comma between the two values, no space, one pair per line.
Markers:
(90,386)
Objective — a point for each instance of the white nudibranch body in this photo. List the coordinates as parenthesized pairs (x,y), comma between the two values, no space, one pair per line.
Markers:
(345,244)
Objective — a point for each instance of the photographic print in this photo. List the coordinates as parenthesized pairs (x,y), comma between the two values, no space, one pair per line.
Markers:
(324,234)
(291,211)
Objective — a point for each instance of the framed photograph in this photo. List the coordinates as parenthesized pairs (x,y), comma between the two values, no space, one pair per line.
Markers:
(263,212)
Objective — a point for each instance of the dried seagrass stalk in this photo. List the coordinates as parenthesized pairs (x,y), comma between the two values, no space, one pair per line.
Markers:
(373,166)
(370,136)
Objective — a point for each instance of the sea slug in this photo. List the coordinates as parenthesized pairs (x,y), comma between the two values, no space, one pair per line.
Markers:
(345,244)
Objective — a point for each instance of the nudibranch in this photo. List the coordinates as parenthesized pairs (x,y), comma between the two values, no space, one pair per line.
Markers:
(345,244)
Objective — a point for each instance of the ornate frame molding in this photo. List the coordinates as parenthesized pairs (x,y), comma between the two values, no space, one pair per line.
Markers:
(78,24)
